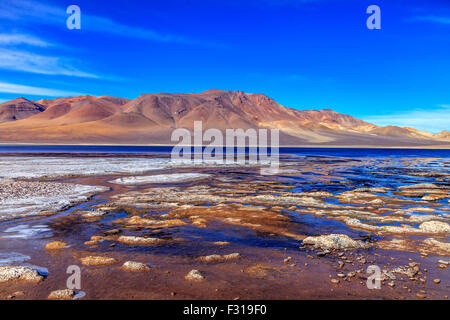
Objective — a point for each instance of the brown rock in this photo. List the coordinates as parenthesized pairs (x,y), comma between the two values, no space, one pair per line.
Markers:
(195,275)
(139,241)
(135,266)
(55,245)
(220,258)
(66,294)
(97,261)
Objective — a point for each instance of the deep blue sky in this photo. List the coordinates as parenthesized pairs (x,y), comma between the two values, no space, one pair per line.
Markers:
(306,54)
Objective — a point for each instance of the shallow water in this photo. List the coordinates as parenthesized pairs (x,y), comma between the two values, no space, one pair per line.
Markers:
(302,171)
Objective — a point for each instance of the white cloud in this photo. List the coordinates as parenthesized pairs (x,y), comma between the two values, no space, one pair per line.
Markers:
(16,38)
(100,24)
(434,120)
(29,62)
(23,10)
(7,87)
(20,9)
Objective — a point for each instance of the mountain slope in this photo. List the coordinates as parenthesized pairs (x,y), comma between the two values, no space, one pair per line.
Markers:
(19,108)
(72,110)
(151,119)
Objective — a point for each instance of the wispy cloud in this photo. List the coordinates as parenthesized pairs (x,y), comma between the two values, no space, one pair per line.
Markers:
(25,9)
(38,12)
(18,60)
(434,120)
(433,19)
(105,25)
(17,39)
(7,87)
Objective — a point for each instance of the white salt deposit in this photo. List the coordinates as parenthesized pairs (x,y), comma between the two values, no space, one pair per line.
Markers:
(19,198)
(50,167)
(40,167)
(161,178)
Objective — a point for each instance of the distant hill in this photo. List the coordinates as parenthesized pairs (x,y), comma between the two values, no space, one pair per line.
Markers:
(151,118)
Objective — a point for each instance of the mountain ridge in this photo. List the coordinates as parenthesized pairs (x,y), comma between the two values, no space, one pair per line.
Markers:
(150,119)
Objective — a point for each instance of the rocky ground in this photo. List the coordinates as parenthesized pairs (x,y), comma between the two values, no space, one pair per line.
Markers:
(315,231)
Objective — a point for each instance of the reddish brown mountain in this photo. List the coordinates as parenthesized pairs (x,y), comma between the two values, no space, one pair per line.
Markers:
(19,108)
(151,118)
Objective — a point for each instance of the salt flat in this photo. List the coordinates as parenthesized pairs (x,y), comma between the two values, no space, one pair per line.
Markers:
(20,198)
(52,167)
(44,167)
(161,178)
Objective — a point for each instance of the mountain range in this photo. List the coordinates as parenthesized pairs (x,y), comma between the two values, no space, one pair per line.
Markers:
(151,118)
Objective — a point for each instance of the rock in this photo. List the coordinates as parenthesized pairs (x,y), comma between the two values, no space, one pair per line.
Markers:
(195,275)
(97,261)
(443,264)
(419,186)
(434,227)
(221,243)
(391,284)
(91,243)
(8,273)
(420,296)
(437,281)
(151,223)
(135,266)
(334,281)
(287,260)
(437,247)
(15,295)
(94,214)
(434,197)
(318,194)
(55,245)
(219,258)
(410,271)
(335,242)
(376,202)
(131,240)
(113,231)
(66,294)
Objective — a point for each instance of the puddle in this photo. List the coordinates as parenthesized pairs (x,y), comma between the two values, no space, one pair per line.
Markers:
(13,258)
(26,231)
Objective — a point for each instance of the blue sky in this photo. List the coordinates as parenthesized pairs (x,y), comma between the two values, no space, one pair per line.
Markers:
(306,54)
